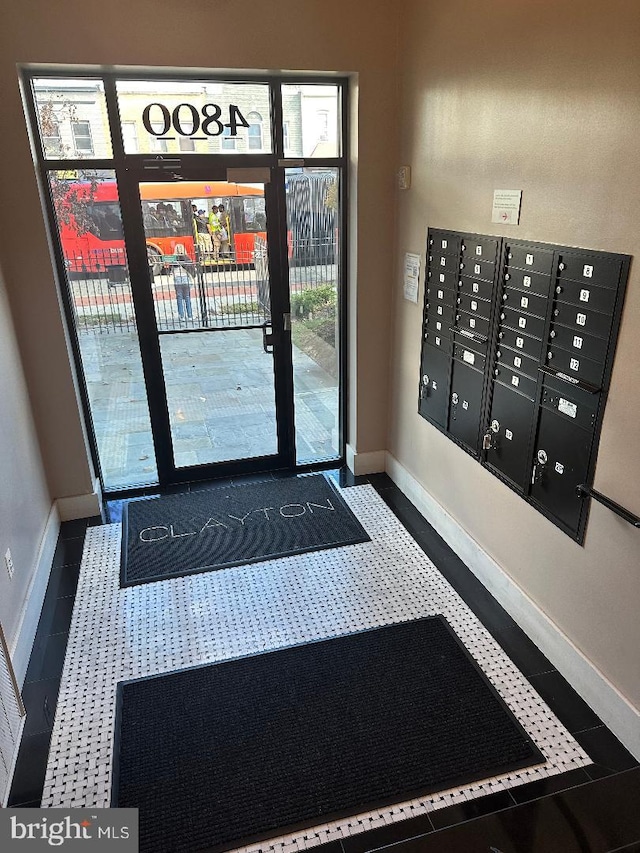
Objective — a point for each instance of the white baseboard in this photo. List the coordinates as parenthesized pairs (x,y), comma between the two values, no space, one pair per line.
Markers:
(366,463)
(81,506)
(595,688)
(25,635)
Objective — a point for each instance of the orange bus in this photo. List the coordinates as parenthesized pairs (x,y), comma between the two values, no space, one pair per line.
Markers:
(91,232)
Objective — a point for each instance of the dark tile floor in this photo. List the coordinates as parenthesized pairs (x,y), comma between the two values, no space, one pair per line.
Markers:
(610,758)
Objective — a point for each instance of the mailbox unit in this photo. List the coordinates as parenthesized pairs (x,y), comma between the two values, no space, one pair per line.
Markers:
(518,341)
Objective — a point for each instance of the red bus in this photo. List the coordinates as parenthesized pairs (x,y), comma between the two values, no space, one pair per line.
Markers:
(91,232)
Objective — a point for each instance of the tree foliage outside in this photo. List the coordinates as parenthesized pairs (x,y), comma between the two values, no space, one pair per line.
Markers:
(73,190)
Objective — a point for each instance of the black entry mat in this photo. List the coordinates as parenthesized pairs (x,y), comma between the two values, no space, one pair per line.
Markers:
(227,754)
(175,535)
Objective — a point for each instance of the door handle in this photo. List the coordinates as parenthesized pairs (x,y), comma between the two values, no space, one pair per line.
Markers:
(267,338)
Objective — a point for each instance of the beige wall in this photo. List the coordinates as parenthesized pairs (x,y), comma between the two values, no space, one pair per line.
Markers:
(24,500)
(543,97)
(243,34)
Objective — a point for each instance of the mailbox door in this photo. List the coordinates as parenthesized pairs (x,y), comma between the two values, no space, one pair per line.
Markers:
(561,464)
(465,404)
(510,425)
(434,397)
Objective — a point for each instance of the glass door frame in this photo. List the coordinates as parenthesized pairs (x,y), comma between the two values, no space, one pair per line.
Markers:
(126,165)
(150,335)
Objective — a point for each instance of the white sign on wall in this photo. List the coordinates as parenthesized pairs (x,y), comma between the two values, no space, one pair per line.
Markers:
(411,276)
(506,206)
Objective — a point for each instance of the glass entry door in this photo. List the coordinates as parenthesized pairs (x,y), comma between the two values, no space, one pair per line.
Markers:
(216,361)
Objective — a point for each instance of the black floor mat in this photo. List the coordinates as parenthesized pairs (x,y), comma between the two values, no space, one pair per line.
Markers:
(174,535)
(223,755)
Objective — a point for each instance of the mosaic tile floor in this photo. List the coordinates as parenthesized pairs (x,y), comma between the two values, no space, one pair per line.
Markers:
(154,628)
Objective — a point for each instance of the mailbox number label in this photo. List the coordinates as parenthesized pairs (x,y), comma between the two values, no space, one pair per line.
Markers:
(574,364)
(584,295)
(524,302)
(443,262)
(478,250)
(441,294)
(440,310)
(522,323)
(559,468)
(581,319)
(577,342)
(529,259)
(587,271)
(475,287)
(444,244)
(476,269)
(508,434)
(474,305)
(526,281)
(520,342)
(515,380)
(441,277)
(517,361)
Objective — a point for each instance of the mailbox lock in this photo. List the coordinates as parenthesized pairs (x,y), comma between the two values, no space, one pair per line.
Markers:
(549,356)
(454,398)
(558,289)
(461,266)
(507,275)
(498,353)
(458,300)
(509,255)
(486,441)
(505,296)
(496,372)
(500,335)
(463,247)
(542,457)
(431,242)
(457,316)
(502,316)
(495,426)
(556,312)
(561,266)
(552,333)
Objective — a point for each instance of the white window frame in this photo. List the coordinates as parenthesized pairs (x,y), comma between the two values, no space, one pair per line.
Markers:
(90,151)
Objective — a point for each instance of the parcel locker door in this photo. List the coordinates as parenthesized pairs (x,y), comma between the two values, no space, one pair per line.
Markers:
(434,399)
(511,421)
(561,464)
(465,404)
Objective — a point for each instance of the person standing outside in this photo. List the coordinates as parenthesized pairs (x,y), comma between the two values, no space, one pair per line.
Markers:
(214,231)
(183,274)
(201,231)
(225,230)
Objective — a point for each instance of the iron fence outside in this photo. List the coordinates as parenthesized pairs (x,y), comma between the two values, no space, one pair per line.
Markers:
(219,292)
